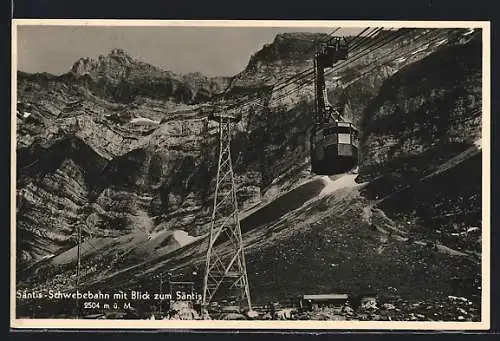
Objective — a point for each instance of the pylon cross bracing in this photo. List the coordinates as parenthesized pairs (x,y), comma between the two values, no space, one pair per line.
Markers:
(225,271)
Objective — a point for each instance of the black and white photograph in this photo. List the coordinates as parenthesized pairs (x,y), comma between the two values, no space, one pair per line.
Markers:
(192,173)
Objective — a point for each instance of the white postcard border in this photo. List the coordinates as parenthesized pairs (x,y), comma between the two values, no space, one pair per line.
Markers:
(484,324)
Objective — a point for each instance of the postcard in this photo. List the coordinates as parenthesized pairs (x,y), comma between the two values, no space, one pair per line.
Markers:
(255,174)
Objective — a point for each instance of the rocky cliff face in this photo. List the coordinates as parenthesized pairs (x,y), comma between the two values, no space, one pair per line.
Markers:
(430,128)
(118,146)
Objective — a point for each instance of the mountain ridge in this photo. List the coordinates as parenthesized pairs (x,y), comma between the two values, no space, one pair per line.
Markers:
(120,77)
(115,130)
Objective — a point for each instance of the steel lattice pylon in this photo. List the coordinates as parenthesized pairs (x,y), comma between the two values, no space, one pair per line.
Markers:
(225,271)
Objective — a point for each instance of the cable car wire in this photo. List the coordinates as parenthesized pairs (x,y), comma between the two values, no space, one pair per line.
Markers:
(301,75)
(399,56)
(372,44)
(370,47)
(290,79)
(356,56)
(309,70)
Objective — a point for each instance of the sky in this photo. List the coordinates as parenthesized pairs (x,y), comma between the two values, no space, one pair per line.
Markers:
(213,51)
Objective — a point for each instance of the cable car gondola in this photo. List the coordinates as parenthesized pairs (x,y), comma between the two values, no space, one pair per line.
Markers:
(334,141)
(334,148)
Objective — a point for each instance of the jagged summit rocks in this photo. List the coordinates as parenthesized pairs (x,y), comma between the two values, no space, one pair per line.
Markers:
(297,45)
(120,77)
(116,66)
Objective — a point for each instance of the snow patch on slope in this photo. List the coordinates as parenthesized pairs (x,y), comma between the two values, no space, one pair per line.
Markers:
(345,181)
(183,238)
(143,120)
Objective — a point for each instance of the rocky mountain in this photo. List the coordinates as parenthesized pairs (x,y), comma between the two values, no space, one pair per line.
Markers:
(124,151)
(441,116)
(120,78)
(286,56)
